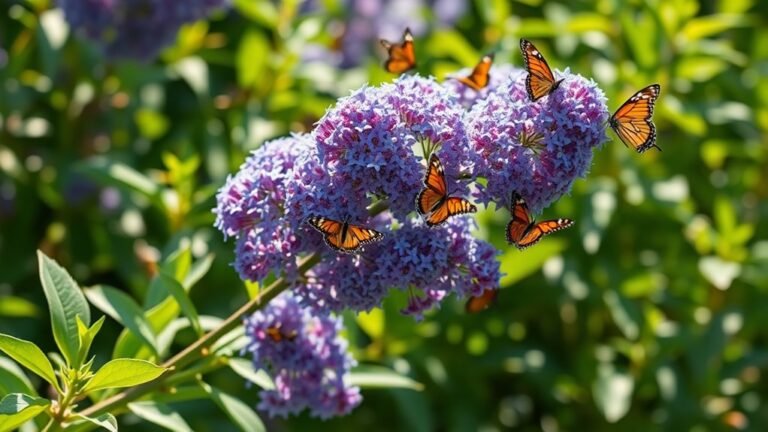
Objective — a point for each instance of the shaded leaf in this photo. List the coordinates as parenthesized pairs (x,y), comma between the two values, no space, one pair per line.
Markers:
(178,293)
(241,414)
(123,309)
(17,409)
(160,414)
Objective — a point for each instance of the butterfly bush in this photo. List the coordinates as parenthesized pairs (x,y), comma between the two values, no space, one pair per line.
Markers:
(535,148)
(498,75)
(364,162)
(309,363)
(135,29)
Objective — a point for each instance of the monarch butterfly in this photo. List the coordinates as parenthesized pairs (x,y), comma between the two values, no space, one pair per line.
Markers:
(402,58)
(481,302)
(343,236)
(522,231)
(479,77)
(632,121)
(433,201)
(277,335)
(540,80)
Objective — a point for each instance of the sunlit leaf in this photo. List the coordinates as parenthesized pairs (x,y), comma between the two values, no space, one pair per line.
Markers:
(612,391)
(30,356)
(123,373)
(17,409)
(367,376)
(123,309)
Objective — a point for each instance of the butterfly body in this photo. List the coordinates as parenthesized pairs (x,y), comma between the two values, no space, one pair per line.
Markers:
(523,231)
(540,80)
(343,236)
(479,78)
(277,335)
(401,57)
(632,121)
(433,202)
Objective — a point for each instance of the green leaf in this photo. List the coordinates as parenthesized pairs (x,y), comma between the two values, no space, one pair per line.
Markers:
(625,313)
(160,414)
(65,302)
(30,356)
(244,368)
(106,421)
(612,391)
(367,376)
(178,265)
(517,265)
(123,309)
(17,409)
(13,379)
(151,124)
(711,25)
(372,323)
(158,317)
(86,335)
(239,412)
(198,270)
(123,177)
(718,272)
(178,293)
(17,307)
(252,56)
(123,373)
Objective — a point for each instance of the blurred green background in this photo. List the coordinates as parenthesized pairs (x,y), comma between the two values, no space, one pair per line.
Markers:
(650,314)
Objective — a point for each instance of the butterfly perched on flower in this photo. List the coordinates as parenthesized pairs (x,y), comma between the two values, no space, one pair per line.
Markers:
(480,76)
(540,80)
(277,335)
(482,301)
(401,57)
(522,231)
(433,201)
(343,236)
(632,121)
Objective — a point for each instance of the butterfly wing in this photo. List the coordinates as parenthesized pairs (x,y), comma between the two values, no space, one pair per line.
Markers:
(332,230)
(450,207)
(435,188)
(632,121)
(480,75)
(540,80)
(357,236)
(541,229)
(481,302)
(521,220)
(402,58)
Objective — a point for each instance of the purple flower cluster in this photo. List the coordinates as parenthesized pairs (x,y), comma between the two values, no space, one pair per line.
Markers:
(136,29)
(499,74)
(537,149)
(306,358)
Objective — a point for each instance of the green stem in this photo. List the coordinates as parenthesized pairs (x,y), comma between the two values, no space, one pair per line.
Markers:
(199,348)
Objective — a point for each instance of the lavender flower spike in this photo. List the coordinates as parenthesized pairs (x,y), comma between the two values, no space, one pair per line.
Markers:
(535,148)
(306,357)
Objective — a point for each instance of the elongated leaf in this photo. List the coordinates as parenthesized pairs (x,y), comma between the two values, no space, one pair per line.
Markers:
(13,379)
(198,270)
(160,414)
(106,421)
(158,317)
(13,306)
(30,356)
(123,309)
(17,409)
(245,369)
(241,414)
(178,293)
(124,373)
(65,302)
(381,377)
(86,335)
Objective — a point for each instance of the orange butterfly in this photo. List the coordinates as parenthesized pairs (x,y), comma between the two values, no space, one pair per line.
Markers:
(522,231)
(343,236)
(481,302)
(402,58)
(277,335)
(540,80)
(632,121)
(433,201)
(479,77)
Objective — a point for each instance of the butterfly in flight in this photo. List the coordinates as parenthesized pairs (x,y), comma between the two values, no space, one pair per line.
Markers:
(277,335)
(343,236)
(433,201)
(482,301)
(632,121)
(401,58)
(540,80)
(522,231)
(479,77)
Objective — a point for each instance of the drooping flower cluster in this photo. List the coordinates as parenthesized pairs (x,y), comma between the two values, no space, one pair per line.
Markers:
(537,149)
(306,357)
(363,164)
(136,29)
